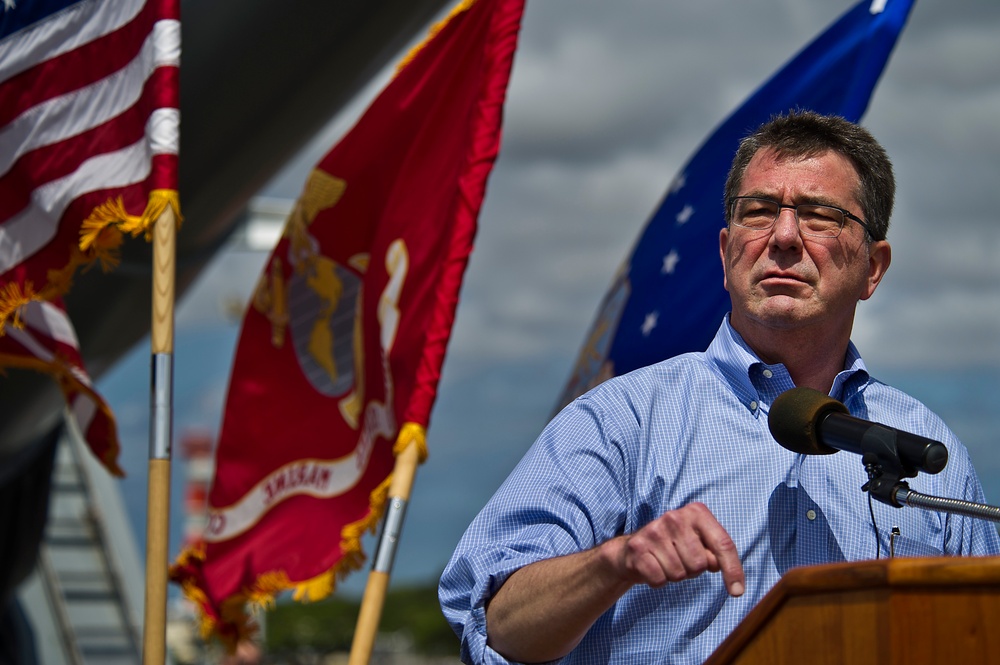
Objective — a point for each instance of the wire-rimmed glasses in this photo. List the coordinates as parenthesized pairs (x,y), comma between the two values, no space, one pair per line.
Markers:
(814,219)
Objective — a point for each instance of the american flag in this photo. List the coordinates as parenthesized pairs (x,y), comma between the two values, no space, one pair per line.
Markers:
(89,120)
(668,297)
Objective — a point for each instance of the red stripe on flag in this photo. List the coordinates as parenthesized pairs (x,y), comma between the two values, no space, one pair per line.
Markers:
(32,348)
(58,160)
(76,69)
(164,173)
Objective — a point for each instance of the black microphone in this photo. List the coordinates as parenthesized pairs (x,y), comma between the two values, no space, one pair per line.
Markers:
(807,421)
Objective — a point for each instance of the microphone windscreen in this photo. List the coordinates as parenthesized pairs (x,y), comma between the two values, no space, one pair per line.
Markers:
(795,416)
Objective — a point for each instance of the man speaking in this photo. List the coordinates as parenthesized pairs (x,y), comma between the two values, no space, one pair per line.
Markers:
(655,511)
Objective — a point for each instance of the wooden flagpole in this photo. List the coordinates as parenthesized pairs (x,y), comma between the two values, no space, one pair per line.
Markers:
(403,474)
(160,432)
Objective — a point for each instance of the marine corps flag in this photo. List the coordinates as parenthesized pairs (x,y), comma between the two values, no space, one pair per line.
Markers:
(89,135)
(338,360)
(668,298)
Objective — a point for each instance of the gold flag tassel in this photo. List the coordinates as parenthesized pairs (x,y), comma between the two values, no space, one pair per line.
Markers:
(12,298)
(102,232)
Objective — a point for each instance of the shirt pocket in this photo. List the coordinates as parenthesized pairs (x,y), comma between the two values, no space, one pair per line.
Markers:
(910,547)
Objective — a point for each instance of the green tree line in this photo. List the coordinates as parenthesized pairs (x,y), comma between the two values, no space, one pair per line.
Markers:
(328,626)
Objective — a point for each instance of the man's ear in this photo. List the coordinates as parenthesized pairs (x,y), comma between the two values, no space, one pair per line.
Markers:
(879,258)
(723,243)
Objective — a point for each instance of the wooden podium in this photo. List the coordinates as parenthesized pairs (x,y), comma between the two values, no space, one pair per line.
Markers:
(887,612)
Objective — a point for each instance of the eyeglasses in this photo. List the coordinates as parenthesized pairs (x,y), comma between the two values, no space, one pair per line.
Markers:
(813,219)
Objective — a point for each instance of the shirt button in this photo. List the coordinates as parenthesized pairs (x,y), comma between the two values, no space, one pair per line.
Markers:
(767,373)
(753,406)
(811,514)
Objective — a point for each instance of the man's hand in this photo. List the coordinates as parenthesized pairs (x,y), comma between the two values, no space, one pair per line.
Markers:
(544,609)
(682,544)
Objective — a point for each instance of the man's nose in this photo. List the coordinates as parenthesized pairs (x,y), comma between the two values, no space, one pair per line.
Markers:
(785,232)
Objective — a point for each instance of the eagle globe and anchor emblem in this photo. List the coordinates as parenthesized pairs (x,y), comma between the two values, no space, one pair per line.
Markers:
(320,303)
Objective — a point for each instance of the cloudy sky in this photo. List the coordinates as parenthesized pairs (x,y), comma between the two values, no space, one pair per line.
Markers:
(606,102)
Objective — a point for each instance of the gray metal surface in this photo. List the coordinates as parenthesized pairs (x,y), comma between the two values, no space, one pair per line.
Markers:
(84,599)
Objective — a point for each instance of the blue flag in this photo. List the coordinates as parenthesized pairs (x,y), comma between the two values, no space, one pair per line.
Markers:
(668,297)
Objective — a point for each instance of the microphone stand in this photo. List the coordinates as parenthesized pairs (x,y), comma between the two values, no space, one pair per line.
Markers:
(903,494)
(886,471)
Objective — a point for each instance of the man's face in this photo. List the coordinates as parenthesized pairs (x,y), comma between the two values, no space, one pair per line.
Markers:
(781,279)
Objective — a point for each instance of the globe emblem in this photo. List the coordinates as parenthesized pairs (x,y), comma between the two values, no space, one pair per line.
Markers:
(322,309)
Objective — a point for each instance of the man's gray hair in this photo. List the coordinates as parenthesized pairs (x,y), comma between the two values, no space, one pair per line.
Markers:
(806,134)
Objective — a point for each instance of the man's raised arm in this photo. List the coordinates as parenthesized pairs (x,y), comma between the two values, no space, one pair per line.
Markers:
(544,609)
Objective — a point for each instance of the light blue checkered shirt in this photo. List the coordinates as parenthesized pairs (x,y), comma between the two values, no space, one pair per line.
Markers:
(694,428)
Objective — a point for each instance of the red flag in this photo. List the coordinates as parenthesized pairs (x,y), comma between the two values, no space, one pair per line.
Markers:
(340,353)
(88,150)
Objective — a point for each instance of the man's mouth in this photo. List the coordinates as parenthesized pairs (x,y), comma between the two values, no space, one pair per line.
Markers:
(782,279)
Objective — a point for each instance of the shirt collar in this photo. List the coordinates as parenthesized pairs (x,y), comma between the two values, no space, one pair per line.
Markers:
(739,366)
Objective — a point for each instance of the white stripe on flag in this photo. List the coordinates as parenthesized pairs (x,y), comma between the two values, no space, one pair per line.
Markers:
(28,341)
(63,32)
(83,409)
(69,115)
(40,351)
(27,232)
(51,321)
(163,131)
(167,38)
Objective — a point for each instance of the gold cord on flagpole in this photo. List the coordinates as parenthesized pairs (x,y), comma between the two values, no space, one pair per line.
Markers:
(161,405)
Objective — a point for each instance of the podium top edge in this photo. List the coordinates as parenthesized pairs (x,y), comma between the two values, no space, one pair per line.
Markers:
(896,572)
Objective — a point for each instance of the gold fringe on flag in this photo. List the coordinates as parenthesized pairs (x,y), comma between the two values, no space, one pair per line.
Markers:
(237,624)
(60,370)
(101,234)
(432,32)
(315,589)
(12,298)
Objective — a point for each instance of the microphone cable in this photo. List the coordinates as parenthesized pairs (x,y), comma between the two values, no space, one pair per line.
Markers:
(871,510)
(872,470)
